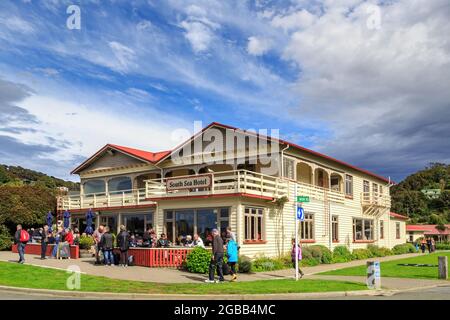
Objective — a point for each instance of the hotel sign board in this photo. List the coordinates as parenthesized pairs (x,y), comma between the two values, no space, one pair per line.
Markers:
(191,182)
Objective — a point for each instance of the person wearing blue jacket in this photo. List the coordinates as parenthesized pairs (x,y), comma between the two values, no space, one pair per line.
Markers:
(232,255)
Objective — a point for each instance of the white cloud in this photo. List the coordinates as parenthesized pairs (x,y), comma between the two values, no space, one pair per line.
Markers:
(295,20)
(16,23)
(198,34)
(123,54)
(258,46)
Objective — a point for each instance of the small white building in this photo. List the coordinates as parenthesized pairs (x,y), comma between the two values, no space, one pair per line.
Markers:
(223,176)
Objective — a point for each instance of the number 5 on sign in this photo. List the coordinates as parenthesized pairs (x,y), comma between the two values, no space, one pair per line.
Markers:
(300,213)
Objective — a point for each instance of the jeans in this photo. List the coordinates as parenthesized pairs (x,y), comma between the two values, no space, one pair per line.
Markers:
(216,264)
(109,258)
(232,267)
(21,250)
(55,252)
(43,249)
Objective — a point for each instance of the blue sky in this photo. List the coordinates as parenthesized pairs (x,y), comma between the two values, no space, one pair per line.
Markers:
(363,81)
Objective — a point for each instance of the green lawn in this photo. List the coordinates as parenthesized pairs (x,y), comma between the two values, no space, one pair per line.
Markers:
(16,275)
(393,269)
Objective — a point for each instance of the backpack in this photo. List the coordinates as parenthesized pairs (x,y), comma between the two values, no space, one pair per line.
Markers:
(24,236)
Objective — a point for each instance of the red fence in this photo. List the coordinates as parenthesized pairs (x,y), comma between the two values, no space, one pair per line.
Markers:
(35,248)
(159,257)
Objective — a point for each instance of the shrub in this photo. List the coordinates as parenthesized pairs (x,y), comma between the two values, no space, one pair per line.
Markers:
(385,252)
(245,264)
(197,261)
(5,238)
(376,251)
(443,246)
(361,254)
(322,253)
(267,264)
(310,256)
(403,248)
(341,254)
(86,242)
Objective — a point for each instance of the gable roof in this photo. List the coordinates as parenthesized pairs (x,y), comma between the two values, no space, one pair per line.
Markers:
(290,144)
(146,156)
(158,157)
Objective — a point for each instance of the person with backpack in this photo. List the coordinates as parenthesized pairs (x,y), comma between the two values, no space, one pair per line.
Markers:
(232,255)
(21,237)
(106,243)
(123,242)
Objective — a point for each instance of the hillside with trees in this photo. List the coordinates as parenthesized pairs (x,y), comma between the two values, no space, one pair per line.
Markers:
(425,195)
(25,197)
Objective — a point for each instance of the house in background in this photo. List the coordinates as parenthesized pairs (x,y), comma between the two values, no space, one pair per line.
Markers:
(141,189)
(416,231)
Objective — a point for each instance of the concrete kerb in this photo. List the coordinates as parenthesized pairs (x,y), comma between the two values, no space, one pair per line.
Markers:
(143,296)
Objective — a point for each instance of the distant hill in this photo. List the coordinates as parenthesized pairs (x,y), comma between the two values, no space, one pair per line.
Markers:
(15,175)
(425,195)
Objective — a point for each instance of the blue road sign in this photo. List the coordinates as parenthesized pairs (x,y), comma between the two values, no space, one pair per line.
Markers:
(300,213)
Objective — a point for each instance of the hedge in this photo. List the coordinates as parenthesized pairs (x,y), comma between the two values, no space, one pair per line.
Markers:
(443,246)
(404,248)
(5,238)
(197,261)
(342,254)
(361,254)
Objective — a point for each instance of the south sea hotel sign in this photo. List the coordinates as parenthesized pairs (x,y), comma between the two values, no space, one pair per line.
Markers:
(200,181)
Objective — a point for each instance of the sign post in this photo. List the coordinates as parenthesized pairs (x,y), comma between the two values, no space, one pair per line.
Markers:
(299,215)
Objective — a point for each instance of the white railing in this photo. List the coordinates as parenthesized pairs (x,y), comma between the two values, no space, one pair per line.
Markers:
(102,200)
(226,182)
(375,199)
(319,193)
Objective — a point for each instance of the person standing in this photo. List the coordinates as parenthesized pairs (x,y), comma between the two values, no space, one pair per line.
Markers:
(106,243)
(423,245)
(298,257)
(429,245)
(123,242)
(44,242)
(216,258)
(21,237)
(97,235)
(232,255)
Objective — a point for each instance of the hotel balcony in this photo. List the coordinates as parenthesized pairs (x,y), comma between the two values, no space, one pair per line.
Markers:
(236,182)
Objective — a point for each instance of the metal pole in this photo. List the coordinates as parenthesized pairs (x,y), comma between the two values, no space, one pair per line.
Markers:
(296,235)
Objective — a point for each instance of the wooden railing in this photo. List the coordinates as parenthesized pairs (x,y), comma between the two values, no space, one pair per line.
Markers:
(159,257)
(102,200)
(226,182)
(319,193)
(375,199)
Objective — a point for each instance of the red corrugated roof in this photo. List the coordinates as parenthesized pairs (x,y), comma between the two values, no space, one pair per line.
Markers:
(159,156)
(398,216)
(429,229)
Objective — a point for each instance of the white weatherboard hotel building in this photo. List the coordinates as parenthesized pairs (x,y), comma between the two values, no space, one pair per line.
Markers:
(251,186)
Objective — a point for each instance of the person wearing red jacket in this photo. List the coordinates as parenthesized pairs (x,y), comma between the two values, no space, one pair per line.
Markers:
(69,236)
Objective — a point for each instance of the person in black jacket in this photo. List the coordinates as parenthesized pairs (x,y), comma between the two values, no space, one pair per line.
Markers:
(44,242)
(216,258)
(123,242)
(106,243)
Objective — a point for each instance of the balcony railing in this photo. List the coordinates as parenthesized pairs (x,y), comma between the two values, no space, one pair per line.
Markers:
(319,193)
(375,199)
(103,200)
(226,182)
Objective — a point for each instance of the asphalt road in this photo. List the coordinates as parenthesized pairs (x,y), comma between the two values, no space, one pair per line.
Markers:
(438,293)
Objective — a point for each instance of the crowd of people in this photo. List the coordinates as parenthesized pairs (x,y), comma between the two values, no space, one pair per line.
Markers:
(427,244)
(59,236)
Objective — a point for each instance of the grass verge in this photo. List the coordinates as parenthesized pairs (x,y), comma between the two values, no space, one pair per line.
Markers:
(27,276)
(394,269)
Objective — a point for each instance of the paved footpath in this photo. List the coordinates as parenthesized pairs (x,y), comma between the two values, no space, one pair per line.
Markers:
(166,275)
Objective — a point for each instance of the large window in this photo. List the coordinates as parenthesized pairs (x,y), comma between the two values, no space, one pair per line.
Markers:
(335,228)
(366,186)
(397,230)
(135,224)
(119,184)
(180,223)
(375,189)
(253,223)
(94,186)
(381,229)
(362,229)
(307,227)
(348,185)
(288,168)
